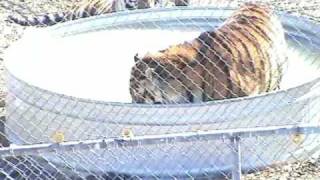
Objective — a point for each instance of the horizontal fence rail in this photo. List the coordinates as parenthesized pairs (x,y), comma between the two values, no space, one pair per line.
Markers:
(159,89)
(35,149)
(234,135)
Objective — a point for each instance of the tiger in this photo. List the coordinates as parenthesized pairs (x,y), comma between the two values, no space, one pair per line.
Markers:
(83,9)
(181,2)
(245,55)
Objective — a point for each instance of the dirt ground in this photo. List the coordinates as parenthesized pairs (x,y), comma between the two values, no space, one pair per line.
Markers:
(309,169)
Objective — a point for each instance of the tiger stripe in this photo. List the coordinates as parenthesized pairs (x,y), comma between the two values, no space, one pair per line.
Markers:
(249,48)
(87,8)
(241,57)
(83,9)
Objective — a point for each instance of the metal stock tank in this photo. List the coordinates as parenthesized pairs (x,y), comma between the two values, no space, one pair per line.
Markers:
(73,80)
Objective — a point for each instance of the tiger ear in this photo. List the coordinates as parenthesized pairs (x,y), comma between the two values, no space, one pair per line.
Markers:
(136,58)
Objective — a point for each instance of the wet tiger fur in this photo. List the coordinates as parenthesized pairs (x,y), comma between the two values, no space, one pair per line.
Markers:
(244,56)
(82,9)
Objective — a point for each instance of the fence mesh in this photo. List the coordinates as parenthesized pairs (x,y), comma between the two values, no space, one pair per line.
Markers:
(197,89)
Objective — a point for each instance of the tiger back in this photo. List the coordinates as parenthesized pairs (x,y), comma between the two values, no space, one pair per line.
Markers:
(244,56)
(83,9)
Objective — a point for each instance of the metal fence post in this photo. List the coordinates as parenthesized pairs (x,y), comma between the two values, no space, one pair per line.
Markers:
(236,153)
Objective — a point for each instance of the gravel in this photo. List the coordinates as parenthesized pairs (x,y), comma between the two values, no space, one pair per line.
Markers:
(308,169)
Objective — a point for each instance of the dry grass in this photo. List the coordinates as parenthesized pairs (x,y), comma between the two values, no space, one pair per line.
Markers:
(9,33)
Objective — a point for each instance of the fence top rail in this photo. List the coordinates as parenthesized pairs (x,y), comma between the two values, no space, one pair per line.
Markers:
(135,141)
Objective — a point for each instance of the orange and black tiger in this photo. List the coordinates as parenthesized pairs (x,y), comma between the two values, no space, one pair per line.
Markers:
(85,8)
(244,56)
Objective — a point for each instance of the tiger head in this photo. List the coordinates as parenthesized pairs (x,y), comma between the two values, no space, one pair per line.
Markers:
(158,79)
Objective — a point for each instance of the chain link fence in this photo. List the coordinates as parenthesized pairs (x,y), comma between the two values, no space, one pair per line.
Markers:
(168,89)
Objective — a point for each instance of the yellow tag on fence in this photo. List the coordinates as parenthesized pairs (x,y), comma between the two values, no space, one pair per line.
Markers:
(58,137)
(127,133)
(298,138)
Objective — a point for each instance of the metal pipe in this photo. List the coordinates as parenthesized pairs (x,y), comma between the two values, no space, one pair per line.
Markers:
(157,139)
(236,153)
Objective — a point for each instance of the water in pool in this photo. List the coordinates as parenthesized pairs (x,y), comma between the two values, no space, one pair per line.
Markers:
(303,66)
(97,65)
